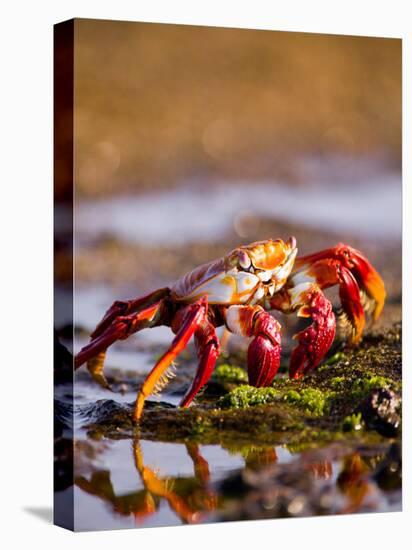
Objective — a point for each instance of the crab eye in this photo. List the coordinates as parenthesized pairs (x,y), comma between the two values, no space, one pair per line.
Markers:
(244,260)
(291,242)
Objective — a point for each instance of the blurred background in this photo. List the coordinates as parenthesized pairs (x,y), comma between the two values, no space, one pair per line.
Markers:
(160,104)
(192,140)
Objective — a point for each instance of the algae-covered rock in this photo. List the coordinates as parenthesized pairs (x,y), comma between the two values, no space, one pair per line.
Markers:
(357,392)
(311,400)
(207,424)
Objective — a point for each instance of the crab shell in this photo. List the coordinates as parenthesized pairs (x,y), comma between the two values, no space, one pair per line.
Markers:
(244,276)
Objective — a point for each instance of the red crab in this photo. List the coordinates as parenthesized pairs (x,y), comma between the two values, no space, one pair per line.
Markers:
(237,291)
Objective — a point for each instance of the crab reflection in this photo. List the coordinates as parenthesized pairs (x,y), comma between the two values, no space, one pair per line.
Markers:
(188,497)
(320,470)
(195,498)
(354,483)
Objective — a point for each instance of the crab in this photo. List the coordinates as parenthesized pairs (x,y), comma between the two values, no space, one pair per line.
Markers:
(238,291)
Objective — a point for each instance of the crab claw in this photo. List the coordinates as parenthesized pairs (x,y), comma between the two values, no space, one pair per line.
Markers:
(361,291)
(352,319)
(370,281)
(361,288)
(315,340)
(263,358)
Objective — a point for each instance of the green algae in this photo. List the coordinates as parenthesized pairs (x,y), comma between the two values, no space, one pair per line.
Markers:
(248,396)
(311,400)
(226,373)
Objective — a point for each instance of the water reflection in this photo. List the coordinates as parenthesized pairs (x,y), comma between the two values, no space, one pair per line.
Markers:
(187,497)
(270,482)
(353,482)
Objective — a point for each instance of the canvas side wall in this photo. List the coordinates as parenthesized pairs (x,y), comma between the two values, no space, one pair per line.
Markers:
(63,273)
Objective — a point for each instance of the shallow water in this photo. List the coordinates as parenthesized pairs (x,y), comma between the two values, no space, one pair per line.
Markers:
(170,462)
(177,483)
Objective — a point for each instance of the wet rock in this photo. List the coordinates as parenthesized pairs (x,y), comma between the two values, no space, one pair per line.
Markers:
(381,412)
(103,411)
(110,418)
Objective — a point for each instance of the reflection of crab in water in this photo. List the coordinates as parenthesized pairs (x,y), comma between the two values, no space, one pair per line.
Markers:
(237,291)
(193,498)
(190,498)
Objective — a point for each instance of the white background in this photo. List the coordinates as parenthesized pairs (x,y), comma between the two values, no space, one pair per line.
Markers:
(26,269)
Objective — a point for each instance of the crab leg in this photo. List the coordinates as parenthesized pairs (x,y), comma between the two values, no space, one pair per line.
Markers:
(208,349)
(120,328)
(263,357)
(120,308)
(189,319)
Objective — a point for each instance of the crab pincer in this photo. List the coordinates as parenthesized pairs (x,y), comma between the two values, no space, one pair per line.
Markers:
(315,340)
(361,289)
(263,357)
